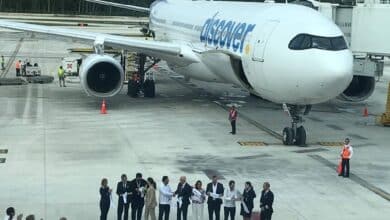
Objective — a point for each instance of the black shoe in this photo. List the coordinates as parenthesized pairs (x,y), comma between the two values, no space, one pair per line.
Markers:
(340,175)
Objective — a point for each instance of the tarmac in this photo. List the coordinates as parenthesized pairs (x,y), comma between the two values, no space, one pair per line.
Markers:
(55,146)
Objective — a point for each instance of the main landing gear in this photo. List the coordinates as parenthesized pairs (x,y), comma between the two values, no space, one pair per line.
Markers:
(142,81)
(295,135)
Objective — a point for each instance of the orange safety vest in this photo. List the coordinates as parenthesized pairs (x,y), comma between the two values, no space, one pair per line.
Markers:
(17,65)
(346,153)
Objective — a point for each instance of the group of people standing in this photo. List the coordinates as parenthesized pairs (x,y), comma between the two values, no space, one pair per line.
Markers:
(21,67)
(138,193)
(141,194)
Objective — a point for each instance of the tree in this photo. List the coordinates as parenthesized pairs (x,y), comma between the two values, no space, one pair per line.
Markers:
(69,7)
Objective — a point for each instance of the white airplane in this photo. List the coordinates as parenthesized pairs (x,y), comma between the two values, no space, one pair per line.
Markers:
(288,54)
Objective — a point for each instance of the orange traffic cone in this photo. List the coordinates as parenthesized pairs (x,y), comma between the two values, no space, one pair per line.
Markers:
(103,109)
(365,112)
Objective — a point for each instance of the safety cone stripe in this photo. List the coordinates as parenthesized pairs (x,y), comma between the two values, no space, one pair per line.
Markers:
(103,109)
(365,112)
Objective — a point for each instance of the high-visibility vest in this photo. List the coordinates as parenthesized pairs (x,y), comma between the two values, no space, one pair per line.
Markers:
(17,65)
(346,152)
(61,72)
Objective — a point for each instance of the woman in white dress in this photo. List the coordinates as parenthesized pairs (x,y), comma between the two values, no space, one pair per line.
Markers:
(198,198)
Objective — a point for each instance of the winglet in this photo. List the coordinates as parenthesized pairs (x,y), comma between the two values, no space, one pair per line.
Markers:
(118,5)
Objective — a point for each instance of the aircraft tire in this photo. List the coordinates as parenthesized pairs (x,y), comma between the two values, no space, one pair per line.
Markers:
(288,136)
(149,88)
(300,139)
(132,89)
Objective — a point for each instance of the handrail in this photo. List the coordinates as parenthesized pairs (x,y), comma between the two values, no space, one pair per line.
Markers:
(373,1)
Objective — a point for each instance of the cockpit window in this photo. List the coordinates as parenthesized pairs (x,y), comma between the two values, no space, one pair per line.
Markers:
(306,41)
(339,43)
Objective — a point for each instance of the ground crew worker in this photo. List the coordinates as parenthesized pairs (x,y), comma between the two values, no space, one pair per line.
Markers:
(18,65)
(233,118)
(2,63)
(346,155)
(137,82)
(24,63)
(61,76)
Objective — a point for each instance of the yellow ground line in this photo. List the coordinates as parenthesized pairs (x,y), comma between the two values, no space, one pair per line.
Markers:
(252,143)
(331,144)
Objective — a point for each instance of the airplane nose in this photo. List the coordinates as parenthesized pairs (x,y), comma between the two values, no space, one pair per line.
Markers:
(338,74)
(333,75)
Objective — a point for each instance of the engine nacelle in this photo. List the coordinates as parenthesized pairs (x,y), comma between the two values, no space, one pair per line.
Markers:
(360,89)
(101,75)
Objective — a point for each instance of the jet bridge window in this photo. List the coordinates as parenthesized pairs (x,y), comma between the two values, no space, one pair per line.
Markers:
(306,41)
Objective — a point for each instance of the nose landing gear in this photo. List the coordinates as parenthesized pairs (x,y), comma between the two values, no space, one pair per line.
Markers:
(295,135)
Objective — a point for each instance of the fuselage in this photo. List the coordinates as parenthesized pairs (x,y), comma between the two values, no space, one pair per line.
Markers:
(249,44)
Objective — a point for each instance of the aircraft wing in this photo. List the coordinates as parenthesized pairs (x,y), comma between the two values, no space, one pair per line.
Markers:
(178,54)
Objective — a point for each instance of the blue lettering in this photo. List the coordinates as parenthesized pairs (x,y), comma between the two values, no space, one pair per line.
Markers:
(212,32)
(238,36)
(228,27)
(249,28)
(225,34)
(230,36)
(217,37)
(203,34)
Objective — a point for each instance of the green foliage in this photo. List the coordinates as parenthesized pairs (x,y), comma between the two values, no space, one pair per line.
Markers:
(69,7)
(83,7)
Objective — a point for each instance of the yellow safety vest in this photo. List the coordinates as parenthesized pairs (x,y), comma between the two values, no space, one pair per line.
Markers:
(61,72)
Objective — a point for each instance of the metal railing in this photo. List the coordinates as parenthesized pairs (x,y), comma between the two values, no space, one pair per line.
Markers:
(373,1)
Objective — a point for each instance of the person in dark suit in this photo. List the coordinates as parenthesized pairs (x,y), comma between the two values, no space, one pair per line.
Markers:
(247,199)
(214,191)
(266,201)
(105,195)
(138,189)
(123,191)
(183,193)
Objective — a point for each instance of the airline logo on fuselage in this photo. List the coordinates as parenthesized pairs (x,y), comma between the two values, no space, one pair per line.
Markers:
(225,33)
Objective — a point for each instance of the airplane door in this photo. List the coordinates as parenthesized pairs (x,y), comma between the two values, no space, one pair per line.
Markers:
(261,40)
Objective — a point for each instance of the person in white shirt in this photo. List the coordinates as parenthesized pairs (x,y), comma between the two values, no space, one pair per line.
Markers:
(214,190)
(231,197)
(10,214)
(123,191)
(198,198)
(165,198)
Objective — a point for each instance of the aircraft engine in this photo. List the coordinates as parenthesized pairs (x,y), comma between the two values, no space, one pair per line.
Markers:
(101,75)
(359,89)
